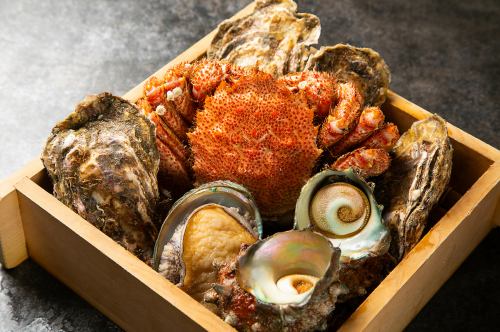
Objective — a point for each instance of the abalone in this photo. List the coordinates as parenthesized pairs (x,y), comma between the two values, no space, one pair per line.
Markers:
(361,65)
(204,230)
(275,38)
(103,163)
(419,174)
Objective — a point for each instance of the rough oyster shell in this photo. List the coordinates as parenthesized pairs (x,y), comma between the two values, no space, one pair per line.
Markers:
(274,37)
(420,171)
(103,163)
(361,65)
(173,256)
(342,207)
(253,295)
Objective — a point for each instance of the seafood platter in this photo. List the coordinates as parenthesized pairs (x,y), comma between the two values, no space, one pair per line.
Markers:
(259,182)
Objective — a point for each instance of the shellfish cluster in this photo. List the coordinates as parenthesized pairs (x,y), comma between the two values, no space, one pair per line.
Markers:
(266,109)
(266,129)
(290,280)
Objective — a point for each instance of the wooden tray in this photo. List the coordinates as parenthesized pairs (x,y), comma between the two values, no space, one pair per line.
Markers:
(35,224)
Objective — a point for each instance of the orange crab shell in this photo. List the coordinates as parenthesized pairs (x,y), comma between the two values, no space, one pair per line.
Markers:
(255,132)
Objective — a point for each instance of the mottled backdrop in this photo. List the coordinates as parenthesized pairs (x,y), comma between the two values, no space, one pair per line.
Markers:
(444,56)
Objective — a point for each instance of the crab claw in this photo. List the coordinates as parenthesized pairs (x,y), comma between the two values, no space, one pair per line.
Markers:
(319,88)
(206,77)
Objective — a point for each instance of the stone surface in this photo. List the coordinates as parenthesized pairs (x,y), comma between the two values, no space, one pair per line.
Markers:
(443,56)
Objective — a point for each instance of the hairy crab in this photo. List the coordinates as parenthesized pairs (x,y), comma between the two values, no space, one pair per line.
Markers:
(219,121)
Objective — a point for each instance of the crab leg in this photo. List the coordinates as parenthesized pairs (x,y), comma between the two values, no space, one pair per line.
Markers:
(172,171)
(370,120)
(172,95)
(169,117)
(164,134)
(179,99)
(384,138)
(319,88)
(154,91)
(171,103)
(173,154)
(206,77)
(172,92)
(173,120)
(343,117)
(366,162)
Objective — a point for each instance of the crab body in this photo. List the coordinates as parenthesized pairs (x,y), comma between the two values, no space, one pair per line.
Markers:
(218,121)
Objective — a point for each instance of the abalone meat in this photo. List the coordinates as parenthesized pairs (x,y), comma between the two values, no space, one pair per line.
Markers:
(203,231)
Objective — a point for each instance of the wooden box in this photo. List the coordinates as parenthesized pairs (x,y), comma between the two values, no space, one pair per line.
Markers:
(35,224)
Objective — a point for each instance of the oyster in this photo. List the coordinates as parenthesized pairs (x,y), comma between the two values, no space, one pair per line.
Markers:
(274,37)
(361,65)
(420,172)
(341,206)
(103,163)
(286,282)
(205,229)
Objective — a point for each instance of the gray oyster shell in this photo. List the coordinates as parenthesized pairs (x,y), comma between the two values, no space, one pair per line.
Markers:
(363,261)
(274,37)
(233,198)
(361,65)
(103,163)
(419,174)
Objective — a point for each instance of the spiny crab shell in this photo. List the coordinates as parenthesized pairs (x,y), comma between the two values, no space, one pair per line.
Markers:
(256,132)
(341,206)
(205,228)
(286,282)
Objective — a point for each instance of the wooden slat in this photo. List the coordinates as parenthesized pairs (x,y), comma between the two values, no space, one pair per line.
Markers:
(31,170)
(402,294)
(12,241)
(496,215)
(102,272)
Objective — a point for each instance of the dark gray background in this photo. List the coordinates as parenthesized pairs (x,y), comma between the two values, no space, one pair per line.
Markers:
(444,56)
